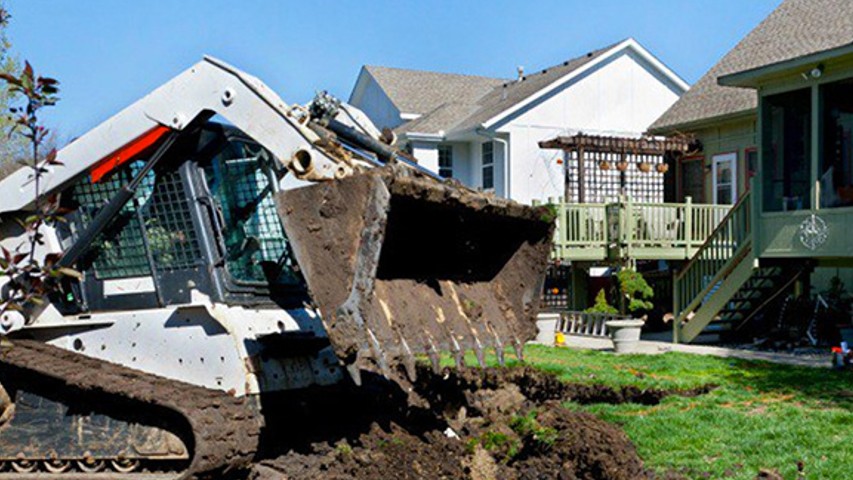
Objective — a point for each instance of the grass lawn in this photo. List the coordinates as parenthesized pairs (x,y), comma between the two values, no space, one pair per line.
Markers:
(762,415)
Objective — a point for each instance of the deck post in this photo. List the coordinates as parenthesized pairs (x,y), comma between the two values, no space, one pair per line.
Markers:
(676,305)
(688,225)
(628,224)
(562,225)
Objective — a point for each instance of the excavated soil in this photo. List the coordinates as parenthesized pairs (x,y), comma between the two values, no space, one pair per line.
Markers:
(478,425)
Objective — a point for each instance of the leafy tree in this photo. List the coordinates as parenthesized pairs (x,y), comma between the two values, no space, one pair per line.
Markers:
(635,290)
(13,148)
(601,305)
(30,275)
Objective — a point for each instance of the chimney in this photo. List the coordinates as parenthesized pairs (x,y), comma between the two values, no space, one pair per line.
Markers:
(520,73)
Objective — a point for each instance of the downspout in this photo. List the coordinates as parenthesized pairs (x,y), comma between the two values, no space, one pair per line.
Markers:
(484,133)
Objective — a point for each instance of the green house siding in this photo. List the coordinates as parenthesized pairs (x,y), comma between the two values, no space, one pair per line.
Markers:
(732,136)
(781,234)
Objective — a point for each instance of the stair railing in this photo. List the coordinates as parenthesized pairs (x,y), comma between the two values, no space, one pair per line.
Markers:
(714,260)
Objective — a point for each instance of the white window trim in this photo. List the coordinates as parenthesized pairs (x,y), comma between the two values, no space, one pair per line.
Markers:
(722,158)
(483,166)
(449,149)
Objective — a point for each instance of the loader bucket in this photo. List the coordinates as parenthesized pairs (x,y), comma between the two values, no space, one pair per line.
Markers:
(402,265)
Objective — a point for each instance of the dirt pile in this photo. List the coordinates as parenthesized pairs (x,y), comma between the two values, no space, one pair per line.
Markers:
(480,424)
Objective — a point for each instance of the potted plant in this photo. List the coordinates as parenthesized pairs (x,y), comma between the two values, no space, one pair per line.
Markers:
(635,297)
(622,166)
(662,167)
(604,165)
(645,167)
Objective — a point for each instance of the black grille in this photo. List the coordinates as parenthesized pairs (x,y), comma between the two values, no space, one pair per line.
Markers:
(159,211)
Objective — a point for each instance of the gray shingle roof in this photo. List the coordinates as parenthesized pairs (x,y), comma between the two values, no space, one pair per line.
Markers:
(459,102)
(416,91)
(509,94)
(794,29)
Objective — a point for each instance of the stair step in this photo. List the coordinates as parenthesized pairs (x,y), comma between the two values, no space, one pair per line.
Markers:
(716,327)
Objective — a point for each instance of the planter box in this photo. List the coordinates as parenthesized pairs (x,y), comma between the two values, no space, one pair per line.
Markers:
(625,334)
(546,324)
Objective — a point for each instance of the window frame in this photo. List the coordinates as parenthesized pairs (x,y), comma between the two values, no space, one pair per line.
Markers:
(487,165)
(445,170)
(732,158)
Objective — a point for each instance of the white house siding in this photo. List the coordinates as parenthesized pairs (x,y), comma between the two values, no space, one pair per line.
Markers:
(622,97)
(462,163)
(371,99)
(427,154)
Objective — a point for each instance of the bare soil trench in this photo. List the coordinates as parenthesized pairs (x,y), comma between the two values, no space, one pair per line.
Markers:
(472,424)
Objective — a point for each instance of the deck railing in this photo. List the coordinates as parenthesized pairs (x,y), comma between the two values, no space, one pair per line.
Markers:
(586,324)
(596,231)
(709,266)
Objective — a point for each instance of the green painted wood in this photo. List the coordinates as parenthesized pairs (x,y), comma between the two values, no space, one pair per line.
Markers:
(729,240)
(730,280)
(643,231)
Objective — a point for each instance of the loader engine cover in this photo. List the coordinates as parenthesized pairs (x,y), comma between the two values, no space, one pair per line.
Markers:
(401,265)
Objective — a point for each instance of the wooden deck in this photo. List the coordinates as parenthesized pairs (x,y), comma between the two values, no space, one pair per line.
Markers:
(628,230)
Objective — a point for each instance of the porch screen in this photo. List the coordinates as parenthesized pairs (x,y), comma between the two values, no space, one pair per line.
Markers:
(836,159)
(787,146)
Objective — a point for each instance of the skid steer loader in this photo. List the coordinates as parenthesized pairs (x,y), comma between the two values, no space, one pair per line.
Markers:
(232,245)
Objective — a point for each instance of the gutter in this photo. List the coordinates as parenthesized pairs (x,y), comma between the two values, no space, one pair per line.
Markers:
(424,137)
(702,123)
(484,133)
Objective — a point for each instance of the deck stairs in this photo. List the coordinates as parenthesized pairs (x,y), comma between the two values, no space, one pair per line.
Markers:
(724,285)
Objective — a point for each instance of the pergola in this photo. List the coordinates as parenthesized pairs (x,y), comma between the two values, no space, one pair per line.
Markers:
(619,153)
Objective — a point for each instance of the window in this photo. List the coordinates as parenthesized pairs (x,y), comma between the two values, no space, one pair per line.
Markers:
(243,182)
(725,178)
(157,218)
(488,166)
(786,164)
(836,159)
(445,161)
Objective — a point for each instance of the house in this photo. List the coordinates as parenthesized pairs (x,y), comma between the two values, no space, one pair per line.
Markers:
(485,132)
(775,118)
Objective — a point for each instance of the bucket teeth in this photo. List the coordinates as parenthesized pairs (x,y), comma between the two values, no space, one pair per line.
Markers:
(434,360)
(519,349)
(408,360)
(499,352)
(478,351)
(354,373)
(379,354)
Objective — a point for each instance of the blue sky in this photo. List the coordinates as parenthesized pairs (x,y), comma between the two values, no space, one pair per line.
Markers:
(108,53)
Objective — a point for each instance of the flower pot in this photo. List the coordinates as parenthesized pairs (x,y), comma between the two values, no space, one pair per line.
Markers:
(546,324)
(645,167)
(662,167)
(622,166)
(625,334)
(604,166)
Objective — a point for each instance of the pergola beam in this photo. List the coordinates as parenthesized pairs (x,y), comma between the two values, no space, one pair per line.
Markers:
(619,145)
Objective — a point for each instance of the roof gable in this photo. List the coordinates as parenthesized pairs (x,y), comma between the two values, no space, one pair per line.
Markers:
(462,113)
(796,28)
(419,92)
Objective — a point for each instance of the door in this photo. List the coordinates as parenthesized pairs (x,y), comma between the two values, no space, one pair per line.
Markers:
(691,178)
(725,178)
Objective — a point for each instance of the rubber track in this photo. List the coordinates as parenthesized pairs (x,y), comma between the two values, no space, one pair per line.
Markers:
(226,429)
